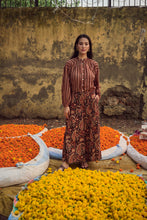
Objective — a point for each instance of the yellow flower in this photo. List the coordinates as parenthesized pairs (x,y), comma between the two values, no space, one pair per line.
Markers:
(80,194)
(16,212)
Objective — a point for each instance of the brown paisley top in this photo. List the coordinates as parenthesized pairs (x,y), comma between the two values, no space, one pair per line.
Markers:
(79,76)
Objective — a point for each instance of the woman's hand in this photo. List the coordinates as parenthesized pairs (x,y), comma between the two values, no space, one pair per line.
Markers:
(97,98)
(67,112)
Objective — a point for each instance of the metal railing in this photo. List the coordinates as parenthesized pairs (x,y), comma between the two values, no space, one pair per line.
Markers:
(71,3)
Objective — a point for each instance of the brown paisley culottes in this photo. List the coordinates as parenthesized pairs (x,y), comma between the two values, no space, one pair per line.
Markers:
(82,135)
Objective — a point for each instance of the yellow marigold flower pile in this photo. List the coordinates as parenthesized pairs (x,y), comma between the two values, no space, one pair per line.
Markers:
(84,194)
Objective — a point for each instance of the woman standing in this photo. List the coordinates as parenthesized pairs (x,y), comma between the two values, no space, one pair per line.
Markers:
(80,97)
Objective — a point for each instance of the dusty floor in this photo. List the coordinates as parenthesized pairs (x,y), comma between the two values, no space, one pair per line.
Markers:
(126,126)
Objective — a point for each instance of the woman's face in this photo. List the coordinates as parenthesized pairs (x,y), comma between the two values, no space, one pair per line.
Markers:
(83,46)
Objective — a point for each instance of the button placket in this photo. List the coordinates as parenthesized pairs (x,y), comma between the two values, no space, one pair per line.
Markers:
(82,76)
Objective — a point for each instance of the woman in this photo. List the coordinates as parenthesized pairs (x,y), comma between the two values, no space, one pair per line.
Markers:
(80,97)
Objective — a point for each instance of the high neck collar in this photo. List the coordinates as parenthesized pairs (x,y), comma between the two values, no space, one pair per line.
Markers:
(80,59)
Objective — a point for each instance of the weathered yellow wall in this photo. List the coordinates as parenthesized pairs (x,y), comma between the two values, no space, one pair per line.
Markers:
(35,44)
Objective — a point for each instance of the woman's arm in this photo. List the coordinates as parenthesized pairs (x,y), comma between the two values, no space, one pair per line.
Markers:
(96,82)
(66,90)
(66,112)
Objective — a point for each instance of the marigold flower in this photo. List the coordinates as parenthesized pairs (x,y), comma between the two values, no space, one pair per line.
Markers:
(55,137)
(16,212)
(18,149)
(138,144)
(83,194)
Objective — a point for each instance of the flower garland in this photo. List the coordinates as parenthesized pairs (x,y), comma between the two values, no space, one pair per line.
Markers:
(83,194)
(138,144)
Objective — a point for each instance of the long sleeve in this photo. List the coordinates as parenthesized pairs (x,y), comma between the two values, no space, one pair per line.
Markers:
(96,82)
(66,89)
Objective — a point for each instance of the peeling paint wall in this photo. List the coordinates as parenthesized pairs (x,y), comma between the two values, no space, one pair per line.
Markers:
(36,42)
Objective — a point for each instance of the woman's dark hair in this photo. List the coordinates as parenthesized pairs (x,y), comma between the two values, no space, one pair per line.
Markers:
(76,53)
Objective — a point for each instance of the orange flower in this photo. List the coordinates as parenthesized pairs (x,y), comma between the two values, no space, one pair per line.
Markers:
(109,137)
(13,130)
(14,150)
(138,144)
(137,166)
(19,151)
(55,137)
(126,139)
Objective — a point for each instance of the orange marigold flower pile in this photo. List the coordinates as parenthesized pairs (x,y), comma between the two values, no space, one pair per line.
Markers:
(14,150)
(108,137)
(138,144)
(54,137)
(13,130)
(22,149)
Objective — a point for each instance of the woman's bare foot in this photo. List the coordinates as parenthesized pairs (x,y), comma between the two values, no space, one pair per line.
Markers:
(84,165)
(63,166)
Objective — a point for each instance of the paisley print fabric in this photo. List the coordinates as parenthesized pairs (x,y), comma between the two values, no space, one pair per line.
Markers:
(82,135)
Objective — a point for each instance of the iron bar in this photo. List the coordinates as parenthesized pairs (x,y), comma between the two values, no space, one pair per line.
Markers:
(72,3)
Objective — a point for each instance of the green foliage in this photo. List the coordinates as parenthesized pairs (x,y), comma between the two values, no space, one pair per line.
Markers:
(41,3)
